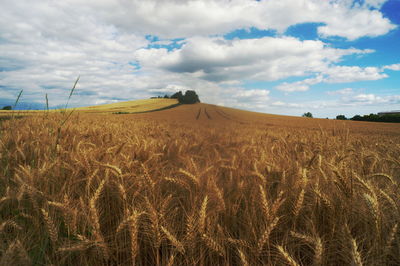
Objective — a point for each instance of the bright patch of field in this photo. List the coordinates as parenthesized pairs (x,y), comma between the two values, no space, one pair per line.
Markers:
(137,106)
(130,106)
(198,185)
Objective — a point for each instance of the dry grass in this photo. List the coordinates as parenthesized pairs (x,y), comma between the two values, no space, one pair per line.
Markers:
(179,188)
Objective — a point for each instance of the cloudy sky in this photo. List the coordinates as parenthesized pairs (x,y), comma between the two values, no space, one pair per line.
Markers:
(274,56)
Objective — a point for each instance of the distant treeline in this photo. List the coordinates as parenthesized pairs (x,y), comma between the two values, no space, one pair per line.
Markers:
(189,97)
(389,118)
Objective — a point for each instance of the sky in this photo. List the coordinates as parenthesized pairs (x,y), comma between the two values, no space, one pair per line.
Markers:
(327,57)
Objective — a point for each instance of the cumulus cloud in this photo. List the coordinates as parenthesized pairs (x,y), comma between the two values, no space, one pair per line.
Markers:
(342,74)
(373,99)
(269,58)
(355,23)
(47,45)
(239,97)
(174,19)
(339,74)
(302,85)
(395,67)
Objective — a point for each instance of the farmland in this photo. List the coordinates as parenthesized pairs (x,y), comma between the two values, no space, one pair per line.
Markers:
(137,106)
(197,185)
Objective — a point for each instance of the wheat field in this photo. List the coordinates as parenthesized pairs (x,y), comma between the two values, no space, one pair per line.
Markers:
(137,106)
(198,185)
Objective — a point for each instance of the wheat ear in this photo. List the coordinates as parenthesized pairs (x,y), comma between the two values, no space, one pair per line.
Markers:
(299,203)
(51,228)
(202,215)
(356,256)
(287,256)
(264,202)
(243,258)
(213,245)
(265,236)
(173,240)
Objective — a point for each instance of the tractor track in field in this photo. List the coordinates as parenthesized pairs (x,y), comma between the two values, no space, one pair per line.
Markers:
(230,117)
(198,114)
(223,114)
(207,114)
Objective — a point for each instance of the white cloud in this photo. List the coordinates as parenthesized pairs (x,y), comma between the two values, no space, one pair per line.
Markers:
(288,105)
(372,99)
(338,74)
(49,44)
(355,23)
(269,58)
(253,95)
(173,19)
(395,67)
(302,85)
(342,74)
(345,91)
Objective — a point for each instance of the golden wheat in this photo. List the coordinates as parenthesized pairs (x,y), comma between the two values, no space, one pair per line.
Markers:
(164,188)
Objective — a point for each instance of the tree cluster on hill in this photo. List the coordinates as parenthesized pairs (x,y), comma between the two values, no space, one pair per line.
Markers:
(189,97)
(389,118)
(308,114)
(8,107)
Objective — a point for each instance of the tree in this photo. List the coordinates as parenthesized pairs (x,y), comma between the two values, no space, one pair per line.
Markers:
(308,114)
(357,118)
(177,95)
(8,107)
(190,97)
(341,117)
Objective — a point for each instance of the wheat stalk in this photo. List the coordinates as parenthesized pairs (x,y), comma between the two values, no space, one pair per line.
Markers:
(93,207)
(287,256)
(306,238)
(203,215)
(171,260)
(389,199)
(277,203)
(177,182)
(219,194)
(213,245)
(192,177)
(243,258)
(356,256)
(373,206)
(134,229)
(51,228)
(96,220)
(265,236)
(239,242)
(9,223)
(264,202)
(299,203)
(319,249)
(173,240)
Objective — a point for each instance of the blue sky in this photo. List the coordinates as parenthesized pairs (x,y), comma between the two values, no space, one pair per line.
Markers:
(282,57)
